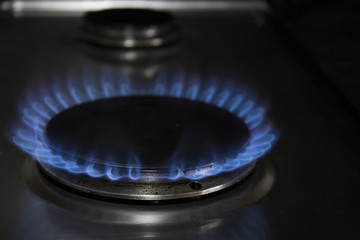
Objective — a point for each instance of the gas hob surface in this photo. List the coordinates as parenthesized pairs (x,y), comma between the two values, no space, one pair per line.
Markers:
(305,188)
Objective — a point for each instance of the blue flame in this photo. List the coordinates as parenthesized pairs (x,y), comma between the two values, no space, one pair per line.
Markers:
(40,108)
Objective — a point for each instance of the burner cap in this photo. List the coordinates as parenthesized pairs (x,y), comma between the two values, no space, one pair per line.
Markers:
(151,133)
(154,136)
(129,28)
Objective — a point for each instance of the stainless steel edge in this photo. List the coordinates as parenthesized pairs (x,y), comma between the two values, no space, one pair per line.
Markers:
(76,8)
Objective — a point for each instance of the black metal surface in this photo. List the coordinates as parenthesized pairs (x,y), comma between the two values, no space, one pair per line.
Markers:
(132,18)
(129,28)
(150,132)
(316,160)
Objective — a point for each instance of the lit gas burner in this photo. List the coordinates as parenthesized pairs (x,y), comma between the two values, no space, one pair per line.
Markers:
(176,139)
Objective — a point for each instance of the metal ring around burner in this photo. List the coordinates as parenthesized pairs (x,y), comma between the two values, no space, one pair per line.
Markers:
(147,189)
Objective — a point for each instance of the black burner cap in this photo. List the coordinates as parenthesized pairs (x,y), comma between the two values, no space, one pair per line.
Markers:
(129,28)
(153,132)
(130,17)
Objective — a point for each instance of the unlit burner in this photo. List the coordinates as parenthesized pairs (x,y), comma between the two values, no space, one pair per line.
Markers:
(129,28)
(147,147)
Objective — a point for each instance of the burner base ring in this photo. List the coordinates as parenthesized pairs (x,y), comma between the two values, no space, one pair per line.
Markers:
(147,190)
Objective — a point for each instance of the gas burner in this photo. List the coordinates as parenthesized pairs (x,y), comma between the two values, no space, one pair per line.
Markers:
(146,188)
(174,140)
(129,28)
(254,188)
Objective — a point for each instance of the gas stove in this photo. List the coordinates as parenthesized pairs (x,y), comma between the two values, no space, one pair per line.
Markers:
(169,131)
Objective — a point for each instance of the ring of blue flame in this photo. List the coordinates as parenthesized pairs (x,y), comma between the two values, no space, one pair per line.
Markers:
(41,107)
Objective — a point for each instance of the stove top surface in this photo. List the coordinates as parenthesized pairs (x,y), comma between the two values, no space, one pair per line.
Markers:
(315,163)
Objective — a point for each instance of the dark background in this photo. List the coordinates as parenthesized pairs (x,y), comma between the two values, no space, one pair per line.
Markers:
(328,32)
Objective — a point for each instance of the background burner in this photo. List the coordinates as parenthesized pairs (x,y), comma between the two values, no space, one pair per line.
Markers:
(129,28)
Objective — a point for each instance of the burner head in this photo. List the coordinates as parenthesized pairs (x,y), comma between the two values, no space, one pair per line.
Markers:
(153,145)
(151,134)
(129,28)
